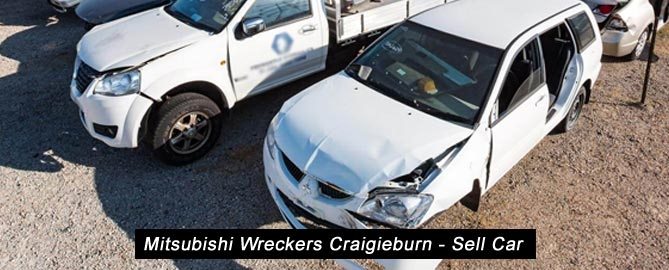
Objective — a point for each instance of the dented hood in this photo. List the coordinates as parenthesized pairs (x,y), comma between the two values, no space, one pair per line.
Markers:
(137,39)
(344,133)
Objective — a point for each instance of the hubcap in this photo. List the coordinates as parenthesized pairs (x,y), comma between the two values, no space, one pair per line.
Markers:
(641,44)
(190,133)
(576,109)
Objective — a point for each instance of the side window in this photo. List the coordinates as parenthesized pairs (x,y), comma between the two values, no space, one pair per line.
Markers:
(582,27)
(276,12)
(525,75)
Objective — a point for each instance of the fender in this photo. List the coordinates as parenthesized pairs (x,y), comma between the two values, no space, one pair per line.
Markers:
(176,78)
(190,64)
(135,117)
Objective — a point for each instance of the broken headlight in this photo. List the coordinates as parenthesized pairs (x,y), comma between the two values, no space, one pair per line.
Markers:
(404,210)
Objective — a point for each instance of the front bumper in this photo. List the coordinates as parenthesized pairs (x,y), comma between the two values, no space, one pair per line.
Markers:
(618,44)
(328,214)
(287,194)
(125,114)
(63,5)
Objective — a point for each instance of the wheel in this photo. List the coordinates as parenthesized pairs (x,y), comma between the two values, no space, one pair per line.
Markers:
(574,113)
(186,127)
(640,45)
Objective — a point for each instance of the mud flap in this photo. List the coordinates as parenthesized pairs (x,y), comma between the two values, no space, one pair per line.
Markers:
(473,199)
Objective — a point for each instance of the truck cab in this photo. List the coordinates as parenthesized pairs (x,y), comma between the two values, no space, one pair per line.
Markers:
(167,75)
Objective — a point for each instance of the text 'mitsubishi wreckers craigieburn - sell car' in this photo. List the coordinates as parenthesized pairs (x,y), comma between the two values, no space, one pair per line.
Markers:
(433,113)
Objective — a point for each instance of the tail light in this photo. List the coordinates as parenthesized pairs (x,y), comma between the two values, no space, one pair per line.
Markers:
(617,23)
(605,9)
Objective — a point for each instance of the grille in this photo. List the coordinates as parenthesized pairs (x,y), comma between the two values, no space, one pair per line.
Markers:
(306,219)
(85,76)
(292,168)
(332,191)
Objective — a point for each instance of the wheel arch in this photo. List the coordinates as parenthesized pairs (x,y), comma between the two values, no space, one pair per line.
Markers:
(204,88)
(588,89)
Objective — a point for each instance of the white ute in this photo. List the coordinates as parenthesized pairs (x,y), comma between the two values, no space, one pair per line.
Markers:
(166,75)
(433,113)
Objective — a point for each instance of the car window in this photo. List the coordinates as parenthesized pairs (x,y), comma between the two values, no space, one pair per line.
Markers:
(440,74)
(582,27)
(525,75)
(276,12)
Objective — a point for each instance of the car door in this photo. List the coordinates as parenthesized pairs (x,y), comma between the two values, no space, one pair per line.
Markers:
(520,111)
(290,46)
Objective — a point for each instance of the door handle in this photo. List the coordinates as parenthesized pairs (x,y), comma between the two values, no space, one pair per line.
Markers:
(307,28)
(536,104)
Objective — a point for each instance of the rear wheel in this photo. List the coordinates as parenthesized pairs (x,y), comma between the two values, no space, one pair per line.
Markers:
(640,45)
(574,113)
(186,128)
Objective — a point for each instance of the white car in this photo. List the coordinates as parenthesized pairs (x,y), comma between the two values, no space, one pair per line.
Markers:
(434,113)
(626,25)
(166,76)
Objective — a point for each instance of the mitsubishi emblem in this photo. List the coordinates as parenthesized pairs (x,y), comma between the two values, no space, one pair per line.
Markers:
(310,186)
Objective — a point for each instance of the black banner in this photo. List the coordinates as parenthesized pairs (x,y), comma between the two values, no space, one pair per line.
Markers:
(335,244)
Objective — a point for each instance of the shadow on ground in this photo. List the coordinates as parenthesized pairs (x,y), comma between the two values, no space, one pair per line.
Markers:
(43,132)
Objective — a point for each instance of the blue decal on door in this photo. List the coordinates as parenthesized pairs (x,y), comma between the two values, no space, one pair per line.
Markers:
(282,43)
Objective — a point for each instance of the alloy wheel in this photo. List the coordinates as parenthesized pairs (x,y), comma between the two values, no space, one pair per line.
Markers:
(190,133)
(641,45)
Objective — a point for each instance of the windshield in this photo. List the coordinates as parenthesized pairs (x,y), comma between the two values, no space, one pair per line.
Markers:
(208,15)
(439,74)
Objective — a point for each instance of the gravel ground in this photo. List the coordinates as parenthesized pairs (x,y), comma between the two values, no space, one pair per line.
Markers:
(595,196)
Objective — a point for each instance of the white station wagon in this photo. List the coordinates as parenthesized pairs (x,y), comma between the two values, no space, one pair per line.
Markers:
(433,113)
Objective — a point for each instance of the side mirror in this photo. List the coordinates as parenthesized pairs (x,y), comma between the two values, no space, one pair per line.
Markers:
(253,26)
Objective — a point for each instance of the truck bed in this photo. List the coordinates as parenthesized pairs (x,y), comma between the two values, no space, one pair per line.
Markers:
(372,16)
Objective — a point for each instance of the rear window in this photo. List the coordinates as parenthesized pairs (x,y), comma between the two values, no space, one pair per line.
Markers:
(582,27)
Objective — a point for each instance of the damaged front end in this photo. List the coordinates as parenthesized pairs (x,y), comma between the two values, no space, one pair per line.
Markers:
(400,203)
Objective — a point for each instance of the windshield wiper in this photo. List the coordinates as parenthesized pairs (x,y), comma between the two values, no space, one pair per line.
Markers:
(439,114)
(360,71)
(351,70)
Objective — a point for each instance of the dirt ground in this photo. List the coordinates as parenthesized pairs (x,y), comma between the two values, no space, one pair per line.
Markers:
(597,196)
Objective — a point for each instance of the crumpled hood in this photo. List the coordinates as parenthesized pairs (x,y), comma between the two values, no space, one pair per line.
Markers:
(134,40)
(351,136)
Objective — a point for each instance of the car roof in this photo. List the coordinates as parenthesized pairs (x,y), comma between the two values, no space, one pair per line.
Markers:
(492,22)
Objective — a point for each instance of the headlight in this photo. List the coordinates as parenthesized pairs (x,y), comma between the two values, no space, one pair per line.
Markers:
(403,210)
(271,141)
(119,84)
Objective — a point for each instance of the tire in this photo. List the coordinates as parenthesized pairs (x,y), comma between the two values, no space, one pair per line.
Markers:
(640,45)
(570,120)
(186,127)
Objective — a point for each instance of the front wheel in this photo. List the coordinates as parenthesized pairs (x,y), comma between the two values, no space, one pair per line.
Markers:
(186,128)
(574,113)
